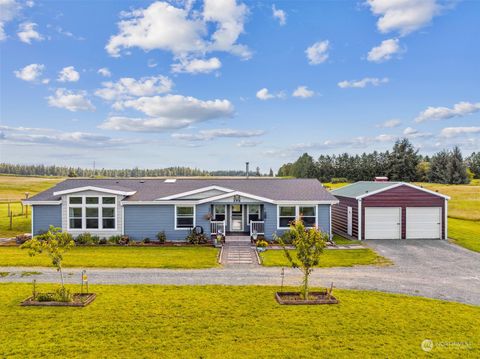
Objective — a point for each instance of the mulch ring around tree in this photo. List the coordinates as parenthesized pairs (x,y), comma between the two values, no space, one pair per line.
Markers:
(79,300)
(295,298)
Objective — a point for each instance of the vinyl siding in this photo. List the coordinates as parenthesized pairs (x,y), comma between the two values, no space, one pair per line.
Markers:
(145,221)
(44,216)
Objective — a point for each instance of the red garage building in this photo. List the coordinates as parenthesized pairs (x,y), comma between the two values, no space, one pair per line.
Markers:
(389,210)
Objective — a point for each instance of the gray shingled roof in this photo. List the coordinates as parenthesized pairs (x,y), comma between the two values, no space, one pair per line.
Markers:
(360,188)
(151,189)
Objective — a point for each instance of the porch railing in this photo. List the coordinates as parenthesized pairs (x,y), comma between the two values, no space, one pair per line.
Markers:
(217,227)
(257,227)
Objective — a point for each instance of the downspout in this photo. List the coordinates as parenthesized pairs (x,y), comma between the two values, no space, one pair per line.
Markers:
(331,237)
(445,220)
(359,225)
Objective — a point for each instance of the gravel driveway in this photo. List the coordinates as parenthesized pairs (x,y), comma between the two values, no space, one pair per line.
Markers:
(430,268)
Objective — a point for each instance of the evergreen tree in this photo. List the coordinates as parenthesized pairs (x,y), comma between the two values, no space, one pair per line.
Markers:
(403,161)
(456,169)
(473,162)
(270,174)
(304,167)
(438,167)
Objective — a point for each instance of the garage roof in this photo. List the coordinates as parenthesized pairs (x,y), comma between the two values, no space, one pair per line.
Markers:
(362,189)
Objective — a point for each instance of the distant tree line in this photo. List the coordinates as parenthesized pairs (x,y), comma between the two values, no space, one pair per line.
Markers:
(42,170)
(402,163)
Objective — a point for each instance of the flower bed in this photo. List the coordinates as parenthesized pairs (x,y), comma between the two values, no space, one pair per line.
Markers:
(294,298)
(78,300)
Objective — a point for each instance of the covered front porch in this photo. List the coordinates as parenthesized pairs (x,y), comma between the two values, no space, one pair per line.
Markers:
(236,219)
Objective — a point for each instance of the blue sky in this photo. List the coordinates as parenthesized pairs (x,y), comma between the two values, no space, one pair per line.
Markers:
(215,83)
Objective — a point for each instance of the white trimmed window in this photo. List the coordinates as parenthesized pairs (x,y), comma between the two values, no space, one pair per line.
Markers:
(219,211)
(288,214)
(92,212)
(254,213)
(184,217)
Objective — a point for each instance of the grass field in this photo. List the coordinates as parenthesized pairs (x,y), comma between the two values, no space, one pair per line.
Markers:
(329,258)
(233,322)
(119,257)
(13,188)
(465,202)
(465,233)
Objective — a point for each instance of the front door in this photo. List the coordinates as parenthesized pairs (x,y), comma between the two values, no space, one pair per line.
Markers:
(236,223)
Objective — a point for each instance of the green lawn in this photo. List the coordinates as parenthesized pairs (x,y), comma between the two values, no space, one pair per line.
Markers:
(339,240)
(119,257)
(465,233)
(20,223)
(329,258)
(233,322)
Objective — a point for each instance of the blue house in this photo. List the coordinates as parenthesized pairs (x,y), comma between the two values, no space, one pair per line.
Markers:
(140,208)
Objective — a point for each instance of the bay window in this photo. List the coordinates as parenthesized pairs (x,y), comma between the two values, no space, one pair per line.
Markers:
(288,214)
(184,217)
(92,212)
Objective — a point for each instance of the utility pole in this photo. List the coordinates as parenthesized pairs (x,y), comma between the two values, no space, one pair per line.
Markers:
(93,168)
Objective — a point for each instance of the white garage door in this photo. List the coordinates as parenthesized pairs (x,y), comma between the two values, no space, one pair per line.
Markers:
(383,223)
(424,222)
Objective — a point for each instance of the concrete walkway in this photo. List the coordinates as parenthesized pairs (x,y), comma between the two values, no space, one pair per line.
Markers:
(429,268)
(238,251)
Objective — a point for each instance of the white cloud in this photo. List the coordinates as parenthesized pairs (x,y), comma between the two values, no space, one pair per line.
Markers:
(9,9)
(318,52)
(385,138)
(374,81)
(182,31)
(263,94)
(390,123)
(68,74)
(229,17)
(207,135)
(70,100)
(196,66)
(128,88)
(384,51)
(404,16)
(414,133)
(303,92)
(280,15)
(46,136)
(248,143)
(458,131)
(30,73)
(441,113)
(181,107)
(27,32)
(105,72)
(121,123)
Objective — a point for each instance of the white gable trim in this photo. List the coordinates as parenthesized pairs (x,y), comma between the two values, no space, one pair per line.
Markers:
(96,189)
(195,191)
(402,184)
(43,203)
(234,193)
